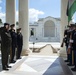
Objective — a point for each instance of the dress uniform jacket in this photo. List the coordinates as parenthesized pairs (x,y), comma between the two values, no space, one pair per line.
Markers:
(19,44)
(14,43)
(5,46)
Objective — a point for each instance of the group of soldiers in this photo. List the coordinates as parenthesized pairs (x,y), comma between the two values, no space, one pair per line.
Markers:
(11,44)
(70,43)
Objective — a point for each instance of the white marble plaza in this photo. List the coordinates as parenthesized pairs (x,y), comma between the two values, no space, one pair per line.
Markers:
(37,65)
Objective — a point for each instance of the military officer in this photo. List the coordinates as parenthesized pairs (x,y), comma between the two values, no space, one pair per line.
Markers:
(19,43)
(70,48)
(65,39)
(14,43)
(71,63)
(5,46)
(74,47)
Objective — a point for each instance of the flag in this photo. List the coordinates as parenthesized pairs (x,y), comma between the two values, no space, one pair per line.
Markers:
(71,8)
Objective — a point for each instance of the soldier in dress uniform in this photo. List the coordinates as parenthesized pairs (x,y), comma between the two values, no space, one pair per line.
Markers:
(66,41)
(70,47)
(14,43)
(5,46)
(74,47)
(19,43)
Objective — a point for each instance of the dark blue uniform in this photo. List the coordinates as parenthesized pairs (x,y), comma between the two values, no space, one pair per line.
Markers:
(66,40)
(67,33)
(70,55)
(74,46)
(14,43)
(19,44)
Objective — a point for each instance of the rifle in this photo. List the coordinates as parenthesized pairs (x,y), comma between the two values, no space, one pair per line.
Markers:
(63,42)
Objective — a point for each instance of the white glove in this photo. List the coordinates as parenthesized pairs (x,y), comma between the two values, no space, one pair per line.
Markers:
(71,41)
(69,47)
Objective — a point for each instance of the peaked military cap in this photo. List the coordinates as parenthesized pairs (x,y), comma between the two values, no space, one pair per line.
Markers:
(67,26)
(18,29)
(75,24)
(12,25)
(71,25)
(6,24)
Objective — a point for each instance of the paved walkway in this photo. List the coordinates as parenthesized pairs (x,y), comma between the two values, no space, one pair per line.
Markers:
(45,51)
(39,65)
(41,44)
(42,63)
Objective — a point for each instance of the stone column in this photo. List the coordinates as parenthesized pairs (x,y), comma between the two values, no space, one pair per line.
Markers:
(64,22)
(10,11)
(24,24)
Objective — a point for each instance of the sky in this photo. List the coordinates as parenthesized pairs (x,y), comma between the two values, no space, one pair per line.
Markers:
(37,9)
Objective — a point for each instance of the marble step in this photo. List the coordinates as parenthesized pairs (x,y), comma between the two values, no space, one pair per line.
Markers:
(39,65)
(20,73)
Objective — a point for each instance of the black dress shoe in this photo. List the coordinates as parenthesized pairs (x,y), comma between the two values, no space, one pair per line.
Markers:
(73,69)
(66,60)
(12,61)
(70,64)
(19,58)
(5,69)
(8,66)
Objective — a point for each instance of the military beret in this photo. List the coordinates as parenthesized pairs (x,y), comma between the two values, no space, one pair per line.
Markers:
(6,24)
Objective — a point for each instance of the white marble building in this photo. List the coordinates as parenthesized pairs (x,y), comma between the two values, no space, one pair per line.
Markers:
(46,29)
